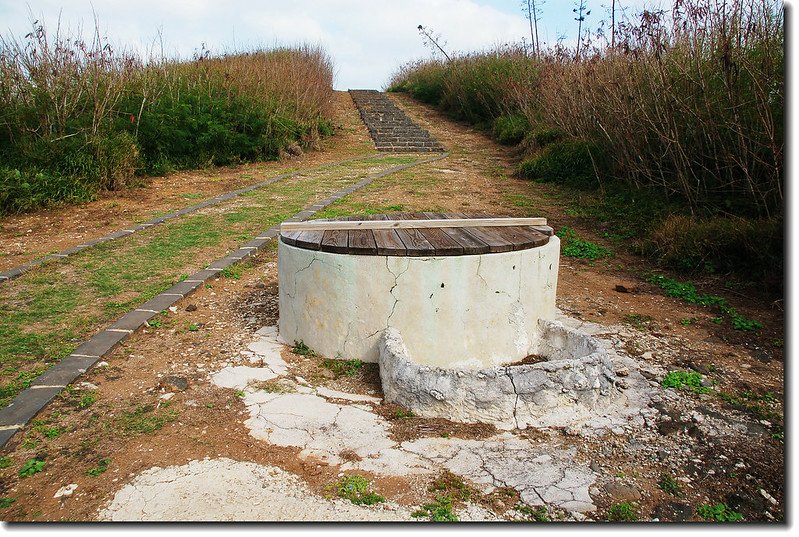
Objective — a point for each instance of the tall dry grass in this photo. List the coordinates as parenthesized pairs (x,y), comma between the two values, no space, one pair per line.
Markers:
(77,115)
(688,104)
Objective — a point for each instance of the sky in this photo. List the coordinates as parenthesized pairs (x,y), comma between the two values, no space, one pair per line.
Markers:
(367,39)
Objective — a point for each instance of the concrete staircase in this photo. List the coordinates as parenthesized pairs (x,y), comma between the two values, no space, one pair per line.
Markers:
(390,128)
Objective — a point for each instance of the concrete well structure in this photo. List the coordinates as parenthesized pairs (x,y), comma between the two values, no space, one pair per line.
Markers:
(459,311)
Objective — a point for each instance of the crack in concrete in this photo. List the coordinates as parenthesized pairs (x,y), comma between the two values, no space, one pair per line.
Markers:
(391,291)
(516,403)
(479,264)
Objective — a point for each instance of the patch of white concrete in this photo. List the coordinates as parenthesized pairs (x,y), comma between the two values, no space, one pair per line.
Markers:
(332,425)
(542,475)
(227,490)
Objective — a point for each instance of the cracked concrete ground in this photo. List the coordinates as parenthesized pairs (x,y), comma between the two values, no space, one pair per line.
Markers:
(344,429)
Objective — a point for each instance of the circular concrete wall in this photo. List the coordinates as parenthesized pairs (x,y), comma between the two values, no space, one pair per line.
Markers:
(469,311)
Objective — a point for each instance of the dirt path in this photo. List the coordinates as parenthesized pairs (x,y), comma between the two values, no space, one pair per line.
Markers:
(209,385)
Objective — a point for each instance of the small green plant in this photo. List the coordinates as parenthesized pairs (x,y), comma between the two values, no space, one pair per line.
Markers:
(719,513)
(669,485)
(402,414)
(31,467)
(685,379)
(193,327)
(240,393)
(46,429)
(5,462)
(87,399)
(538,514)
(302,349)
(6,502)
(638,321)
(574,246)
(273,386)
(145,419)
(439,510)
(233,272)
(687,291)
(102,466)
(622,512)
(689,321)
(349,368)
(355,488)
(154,323)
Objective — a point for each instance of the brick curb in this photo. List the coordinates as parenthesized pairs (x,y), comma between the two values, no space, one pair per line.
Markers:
(15,272)
(45,387)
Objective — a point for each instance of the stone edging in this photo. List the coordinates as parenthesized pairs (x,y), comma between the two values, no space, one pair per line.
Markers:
(15,272)
(44,388)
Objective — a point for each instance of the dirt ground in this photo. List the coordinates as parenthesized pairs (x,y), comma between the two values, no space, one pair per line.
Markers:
(739,462)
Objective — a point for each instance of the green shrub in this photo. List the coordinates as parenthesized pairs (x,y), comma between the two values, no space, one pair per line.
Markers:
(750,247)
(510,129)
(573,162)
(544,136)
(78,117)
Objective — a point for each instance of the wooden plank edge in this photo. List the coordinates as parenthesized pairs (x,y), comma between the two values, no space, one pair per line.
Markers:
(342,225)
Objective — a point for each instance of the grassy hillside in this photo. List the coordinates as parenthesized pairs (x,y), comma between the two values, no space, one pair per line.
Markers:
(77,116)
(678,127)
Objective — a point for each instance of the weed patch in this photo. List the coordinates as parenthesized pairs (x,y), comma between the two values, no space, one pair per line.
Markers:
(719,512)
(669,485)
(638,321)
(536,514)
(356,489)
(102,466)
(622,512)
(32,467)
(574,246)
(690,380)
(340,367)
(145,419)
(302,349)
(686,291)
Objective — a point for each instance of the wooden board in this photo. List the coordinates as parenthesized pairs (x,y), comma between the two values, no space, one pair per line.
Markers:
(387,240)
(409,223)
(417,240)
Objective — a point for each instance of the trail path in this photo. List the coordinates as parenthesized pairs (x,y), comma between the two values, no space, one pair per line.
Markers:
(204,415)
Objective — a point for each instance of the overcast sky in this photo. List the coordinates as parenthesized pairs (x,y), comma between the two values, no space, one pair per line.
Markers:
(367,39)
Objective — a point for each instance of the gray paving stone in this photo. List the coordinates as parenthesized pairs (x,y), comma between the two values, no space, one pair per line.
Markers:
(159,303)
(101,344)
(5,435)
(223,263)
(26,405)
(183,288)
(256,243)
(203,275)
(132,320)
(65,371)
(13,273)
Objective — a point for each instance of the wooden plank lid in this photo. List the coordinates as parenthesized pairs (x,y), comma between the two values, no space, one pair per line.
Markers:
(376,236)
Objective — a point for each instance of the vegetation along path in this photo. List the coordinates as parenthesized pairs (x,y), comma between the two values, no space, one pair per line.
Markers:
(202,402)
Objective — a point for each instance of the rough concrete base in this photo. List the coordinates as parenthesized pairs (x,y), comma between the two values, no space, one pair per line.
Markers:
(227,490)
(575,381)
(468,311)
